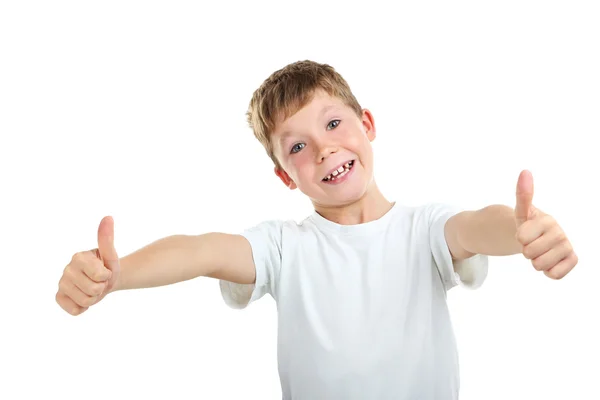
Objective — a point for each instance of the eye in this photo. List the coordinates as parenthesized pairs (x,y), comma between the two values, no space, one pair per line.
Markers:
(297,147)
(333,124)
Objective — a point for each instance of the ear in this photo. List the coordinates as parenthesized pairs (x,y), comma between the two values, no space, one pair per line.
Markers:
(285,178)
(369,124)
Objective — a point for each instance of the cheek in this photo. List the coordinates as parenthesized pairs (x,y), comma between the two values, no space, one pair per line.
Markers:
(299,165)
(365,152)
(360,145)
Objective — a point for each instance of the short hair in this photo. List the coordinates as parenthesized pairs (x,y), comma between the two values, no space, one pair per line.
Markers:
(289,89)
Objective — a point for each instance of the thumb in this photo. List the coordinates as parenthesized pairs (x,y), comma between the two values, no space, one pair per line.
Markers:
(523,209)
(106,244)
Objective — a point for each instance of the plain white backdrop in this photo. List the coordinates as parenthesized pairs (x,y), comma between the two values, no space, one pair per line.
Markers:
(136,110)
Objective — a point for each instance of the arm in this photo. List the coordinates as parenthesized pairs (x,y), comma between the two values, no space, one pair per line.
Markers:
(490,231)
(499,230)
(91,275)
(181,257)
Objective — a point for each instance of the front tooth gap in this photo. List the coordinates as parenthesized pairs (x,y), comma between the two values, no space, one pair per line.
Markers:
(339,172)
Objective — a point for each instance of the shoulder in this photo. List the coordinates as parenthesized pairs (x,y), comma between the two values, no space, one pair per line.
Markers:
(430,213)
(425,219)
(278,230)
(280,225)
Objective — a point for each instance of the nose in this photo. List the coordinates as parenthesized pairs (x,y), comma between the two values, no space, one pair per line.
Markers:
(325,150)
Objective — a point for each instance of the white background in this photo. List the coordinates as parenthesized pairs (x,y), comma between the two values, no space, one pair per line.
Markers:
(136,110)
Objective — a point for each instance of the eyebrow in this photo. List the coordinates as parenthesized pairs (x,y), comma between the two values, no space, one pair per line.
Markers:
(285,134)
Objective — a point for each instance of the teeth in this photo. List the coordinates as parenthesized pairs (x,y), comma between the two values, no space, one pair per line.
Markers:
(341,171)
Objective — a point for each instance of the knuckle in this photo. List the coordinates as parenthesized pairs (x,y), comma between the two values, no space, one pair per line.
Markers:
(67,267)
(68,304)
(96,272)
(81,260)
(76,296)
(528,252)
(560,235)
(77,281)
(537,264)
(97,289)
(86,301)
(62,285)
(77,257)
(73,269)
(75,310)
(554,274)
(68,271)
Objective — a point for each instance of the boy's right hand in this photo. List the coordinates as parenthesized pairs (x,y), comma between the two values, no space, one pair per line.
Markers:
(91,274)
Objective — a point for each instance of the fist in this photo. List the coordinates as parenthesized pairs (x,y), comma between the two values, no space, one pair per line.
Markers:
(543,241)
(90,275)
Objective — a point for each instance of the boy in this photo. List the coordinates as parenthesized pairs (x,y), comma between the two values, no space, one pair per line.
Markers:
(361,283)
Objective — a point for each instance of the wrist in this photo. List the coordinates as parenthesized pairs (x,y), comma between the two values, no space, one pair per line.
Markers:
(492,231)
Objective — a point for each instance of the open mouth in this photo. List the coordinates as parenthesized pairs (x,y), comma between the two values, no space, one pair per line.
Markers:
(338,173)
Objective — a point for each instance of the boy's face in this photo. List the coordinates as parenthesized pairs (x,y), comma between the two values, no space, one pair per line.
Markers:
(323,137)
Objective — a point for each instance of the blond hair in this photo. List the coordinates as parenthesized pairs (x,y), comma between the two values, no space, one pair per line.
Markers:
(289,89)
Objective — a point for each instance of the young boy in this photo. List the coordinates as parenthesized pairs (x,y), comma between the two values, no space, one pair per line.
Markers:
(361,283)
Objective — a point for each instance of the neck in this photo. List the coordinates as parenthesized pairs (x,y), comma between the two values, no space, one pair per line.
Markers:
(372,206)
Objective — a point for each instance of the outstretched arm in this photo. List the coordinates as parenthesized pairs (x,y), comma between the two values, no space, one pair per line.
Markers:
(92,274)
(180,258)
(498,230)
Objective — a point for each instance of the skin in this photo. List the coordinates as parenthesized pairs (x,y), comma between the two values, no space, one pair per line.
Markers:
(541,238)
(308,145)
(322,135)
(326,133)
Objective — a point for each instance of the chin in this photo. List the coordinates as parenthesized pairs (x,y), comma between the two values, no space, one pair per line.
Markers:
(341,199)
(347,193)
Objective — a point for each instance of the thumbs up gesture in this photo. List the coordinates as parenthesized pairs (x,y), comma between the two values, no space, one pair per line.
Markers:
(542,239)
(90,275)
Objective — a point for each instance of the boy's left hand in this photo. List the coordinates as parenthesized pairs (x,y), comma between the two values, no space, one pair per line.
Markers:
(543,240)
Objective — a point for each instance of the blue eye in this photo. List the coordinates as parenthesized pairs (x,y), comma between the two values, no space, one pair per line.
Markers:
(335,120)
(297,147)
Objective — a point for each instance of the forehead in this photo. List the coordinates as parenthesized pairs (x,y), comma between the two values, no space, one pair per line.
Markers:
(320,104)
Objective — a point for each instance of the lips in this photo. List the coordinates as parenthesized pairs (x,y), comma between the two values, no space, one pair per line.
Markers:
(339,171)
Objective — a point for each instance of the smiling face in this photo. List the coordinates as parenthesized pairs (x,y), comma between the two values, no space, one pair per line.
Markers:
(325,151)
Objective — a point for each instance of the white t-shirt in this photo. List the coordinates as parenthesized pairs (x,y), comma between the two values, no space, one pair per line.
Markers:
(362,310)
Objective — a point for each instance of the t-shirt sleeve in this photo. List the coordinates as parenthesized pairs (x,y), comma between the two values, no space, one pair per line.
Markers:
(265,240)
(469,273)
